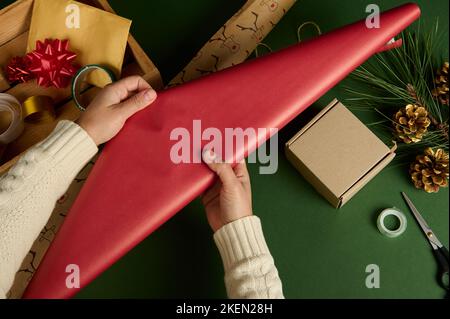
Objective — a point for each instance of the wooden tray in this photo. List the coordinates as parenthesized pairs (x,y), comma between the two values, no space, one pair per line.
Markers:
(14,23)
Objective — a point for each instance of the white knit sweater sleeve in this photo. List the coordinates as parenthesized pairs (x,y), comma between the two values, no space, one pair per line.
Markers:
(250,270)
(29,191)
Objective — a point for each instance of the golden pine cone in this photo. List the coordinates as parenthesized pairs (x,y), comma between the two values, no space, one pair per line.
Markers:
(411,123)
(441,82)
(430,170)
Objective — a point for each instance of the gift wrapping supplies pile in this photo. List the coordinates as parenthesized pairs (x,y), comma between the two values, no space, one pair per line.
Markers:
(232,44)
(55,53)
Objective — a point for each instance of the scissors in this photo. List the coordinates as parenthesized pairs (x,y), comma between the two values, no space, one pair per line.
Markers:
(439,251)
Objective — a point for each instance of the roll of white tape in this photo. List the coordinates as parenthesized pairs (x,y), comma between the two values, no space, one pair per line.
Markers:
(392,232)
(11,118)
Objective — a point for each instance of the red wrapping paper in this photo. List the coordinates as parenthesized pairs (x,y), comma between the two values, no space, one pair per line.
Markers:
(134,187)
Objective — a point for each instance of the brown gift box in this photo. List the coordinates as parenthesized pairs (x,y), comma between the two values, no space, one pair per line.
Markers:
(338,154)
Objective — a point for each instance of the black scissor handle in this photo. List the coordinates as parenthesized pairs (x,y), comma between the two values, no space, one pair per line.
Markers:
(442,257)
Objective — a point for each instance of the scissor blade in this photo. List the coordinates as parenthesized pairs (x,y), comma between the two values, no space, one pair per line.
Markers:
(422,223)
(416,214)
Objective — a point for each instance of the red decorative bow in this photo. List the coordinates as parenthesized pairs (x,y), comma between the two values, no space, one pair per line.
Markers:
(18,70)
(52,63)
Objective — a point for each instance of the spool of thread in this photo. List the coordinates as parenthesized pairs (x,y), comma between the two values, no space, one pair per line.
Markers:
(11,123)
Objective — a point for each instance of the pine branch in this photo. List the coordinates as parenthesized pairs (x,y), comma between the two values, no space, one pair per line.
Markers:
(402,76)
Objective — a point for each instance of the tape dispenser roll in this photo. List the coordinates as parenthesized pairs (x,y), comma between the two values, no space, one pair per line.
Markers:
(392,233)
(11,123)
(81,77)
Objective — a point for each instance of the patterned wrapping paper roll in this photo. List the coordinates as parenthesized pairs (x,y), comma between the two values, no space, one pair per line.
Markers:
(236,40)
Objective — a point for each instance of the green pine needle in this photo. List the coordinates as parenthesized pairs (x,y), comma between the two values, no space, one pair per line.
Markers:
(383,86)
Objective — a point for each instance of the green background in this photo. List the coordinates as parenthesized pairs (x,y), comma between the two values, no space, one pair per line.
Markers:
(320,252)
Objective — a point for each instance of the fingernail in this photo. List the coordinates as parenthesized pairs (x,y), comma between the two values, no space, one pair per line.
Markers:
(150,95)
(209,156)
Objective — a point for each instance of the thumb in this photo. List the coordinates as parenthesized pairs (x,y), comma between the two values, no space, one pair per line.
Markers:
(137,102)
(223,170)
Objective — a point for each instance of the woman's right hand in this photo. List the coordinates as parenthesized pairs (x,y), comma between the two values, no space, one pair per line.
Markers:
(230,198)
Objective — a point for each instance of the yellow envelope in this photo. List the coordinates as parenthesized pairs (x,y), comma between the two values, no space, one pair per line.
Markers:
(96,36)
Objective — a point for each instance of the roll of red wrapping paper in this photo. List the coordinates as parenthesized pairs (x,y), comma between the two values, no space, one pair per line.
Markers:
(135,187)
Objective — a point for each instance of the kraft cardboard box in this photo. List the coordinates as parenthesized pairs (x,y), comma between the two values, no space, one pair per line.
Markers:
(337,153)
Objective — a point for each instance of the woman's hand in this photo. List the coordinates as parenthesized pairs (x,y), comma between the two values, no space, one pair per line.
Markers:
(230,198)
(107,113)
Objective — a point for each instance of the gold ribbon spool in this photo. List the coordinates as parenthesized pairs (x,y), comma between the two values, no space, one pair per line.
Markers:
(38,108)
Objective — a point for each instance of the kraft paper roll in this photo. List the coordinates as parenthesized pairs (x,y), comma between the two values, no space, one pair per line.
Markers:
(236,40)
(11,123)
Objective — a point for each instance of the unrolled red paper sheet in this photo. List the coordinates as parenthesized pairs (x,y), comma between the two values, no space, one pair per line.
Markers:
(134,187)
